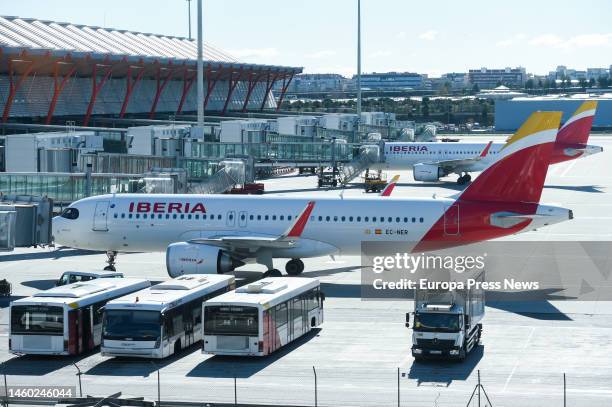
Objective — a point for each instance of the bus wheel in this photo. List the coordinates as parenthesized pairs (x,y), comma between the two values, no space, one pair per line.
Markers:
(177,346)
(273,273)
(294,267)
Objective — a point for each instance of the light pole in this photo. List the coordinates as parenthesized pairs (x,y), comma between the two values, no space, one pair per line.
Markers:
(200,73)
(189,16)
(359,59)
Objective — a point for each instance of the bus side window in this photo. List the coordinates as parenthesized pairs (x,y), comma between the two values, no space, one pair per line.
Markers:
(281,315)
(168,327)
(196,313)
(97,313)
(177,323)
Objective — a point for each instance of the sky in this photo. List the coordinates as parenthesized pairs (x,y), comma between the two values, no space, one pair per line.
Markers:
(432,37)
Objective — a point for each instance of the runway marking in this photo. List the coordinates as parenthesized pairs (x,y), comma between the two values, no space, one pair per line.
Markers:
(517,361)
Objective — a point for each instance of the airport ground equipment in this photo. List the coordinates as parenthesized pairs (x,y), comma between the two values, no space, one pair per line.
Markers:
(6,288)
(367,156)
(260,318)
(7,230)
(69,277)
(447,323)
(160,320)
(230,174)
(328,178)
(374,181)
(32,219)
(254,188)
(65,320)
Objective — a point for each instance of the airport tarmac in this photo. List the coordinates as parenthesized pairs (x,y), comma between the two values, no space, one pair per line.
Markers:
(358,350)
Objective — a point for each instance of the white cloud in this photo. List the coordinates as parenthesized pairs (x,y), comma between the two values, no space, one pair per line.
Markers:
(321,54)
(504,43)
(380,54)
(546,40)
(254,52)
(429,35)
(577,41)
(590,40)
(402,35)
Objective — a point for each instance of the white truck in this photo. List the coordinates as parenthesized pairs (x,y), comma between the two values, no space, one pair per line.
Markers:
(447,323)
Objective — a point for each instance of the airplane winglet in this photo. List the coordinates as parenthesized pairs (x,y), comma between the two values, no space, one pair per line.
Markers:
(296,229)
(486,150)
(389,187)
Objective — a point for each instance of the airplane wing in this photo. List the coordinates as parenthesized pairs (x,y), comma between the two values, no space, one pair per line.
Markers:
(390,186)
(454,164)
(253,243)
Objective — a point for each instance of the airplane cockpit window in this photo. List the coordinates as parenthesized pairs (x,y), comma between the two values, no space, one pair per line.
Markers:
(70,213)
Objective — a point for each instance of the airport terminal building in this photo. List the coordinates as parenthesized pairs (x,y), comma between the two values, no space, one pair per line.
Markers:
(510,114)
(52,69)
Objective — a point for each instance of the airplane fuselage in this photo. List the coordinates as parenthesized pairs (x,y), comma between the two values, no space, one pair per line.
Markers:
(149,223)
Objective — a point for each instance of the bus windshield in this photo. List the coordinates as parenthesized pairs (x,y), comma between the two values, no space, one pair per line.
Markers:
(134,324)
(37,320)
(436,322)
(230,320)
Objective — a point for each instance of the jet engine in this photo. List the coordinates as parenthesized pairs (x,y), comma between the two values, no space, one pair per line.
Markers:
(188,258)
(427,172)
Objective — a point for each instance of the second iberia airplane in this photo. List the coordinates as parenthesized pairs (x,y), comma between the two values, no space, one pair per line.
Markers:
(217,233)
(432,161)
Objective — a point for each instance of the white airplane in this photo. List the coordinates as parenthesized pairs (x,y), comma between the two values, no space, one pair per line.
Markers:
(217,233)
(434,160)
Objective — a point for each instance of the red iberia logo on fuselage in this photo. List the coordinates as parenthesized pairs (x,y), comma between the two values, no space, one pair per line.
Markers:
(408,149)
(167,207)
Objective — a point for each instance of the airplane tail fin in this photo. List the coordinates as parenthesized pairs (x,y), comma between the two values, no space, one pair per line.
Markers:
(390,186)
(577,128)
(519,172)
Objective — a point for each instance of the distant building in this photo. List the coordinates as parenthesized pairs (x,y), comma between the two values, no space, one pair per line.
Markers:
(392,81)
(500,93)
(596,73)
(490,78)
(312,83)
(458,80)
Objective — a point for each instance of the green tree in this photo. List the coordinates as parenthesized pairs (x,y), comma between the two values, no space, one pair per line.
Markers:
(529,84)
(602,82)
(591,82)
(484,114)
(425,107)
(475,88)
(582,82)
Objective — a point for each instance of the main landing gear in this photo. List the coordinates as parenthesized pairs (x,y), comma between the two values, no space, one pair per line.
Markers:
(464,179)
(112,255)
(294,267)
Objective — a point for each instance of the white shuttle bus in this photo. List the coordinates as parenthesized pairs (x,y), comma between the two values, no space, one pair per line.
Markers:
(65,320)
(159,321)
(259,318)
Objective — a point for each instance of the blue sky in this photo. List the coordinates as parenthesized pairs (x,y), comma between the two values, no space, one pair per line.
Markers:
(433,36)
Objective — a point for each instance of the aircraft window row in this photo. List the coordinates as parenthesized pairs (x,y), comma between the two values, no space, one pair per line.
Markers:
(445,152)
(319,218)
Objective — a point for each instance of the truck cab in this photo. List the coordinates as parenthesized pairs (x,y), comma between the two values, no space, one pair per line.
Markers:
(446,324)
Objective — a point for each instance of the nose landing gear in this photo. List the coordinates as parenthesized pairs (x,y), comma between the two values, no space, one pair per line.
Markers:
(111,255)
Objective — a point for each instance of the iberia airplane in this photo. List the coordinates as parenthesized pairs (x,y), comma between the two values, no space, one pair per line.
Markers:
(217,233)
(432,161)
